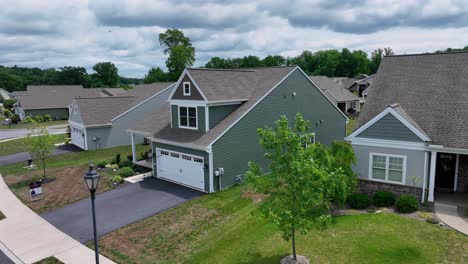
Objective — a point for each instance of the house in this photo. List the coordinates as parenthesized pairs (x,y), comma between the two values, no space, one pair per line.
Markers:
(53,100)
(102,122)
(360,84)
(412,134)
(334,89)
(206,134)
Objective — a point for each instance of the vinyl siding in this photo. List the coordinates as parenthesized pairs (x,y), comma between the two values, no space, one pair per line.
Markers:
(218,113)
(200,117)
(414,162)
(389,128)
(240,144)
(194,93)
(76,115)
(60,113)
(188,151)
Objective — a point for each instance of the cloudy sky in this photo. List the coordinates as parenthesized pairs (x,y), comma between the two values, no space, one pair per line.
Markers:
(54,33)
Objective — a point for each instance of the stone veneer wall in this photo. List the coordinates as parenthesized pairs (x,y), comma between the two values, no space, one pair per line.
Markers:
(462,181)
(371,187)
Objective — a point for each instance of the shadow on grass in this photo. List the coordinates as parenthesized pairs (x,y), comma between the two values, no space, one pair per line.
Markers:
(260,259)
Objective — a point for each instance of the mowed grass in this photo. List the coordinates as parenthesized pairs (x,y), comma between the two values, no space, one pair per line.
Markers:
(49,260)
(29,125)
(220,228)
(19,145)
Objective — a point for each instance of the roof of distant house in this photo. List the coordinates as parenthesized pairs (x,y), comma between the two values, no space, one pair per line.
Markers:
(431,88)
(335,87)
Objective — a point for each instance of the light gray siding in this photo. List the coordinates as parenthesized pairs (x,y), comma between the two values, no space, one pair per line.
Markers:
(117,135)
(76,115)
(218,113)
(390,128)
(240,144)
(188,151)
(414,162)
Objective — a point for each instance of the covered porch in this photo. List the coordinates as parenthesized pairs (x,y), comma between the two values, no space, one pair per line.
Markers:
(142,159)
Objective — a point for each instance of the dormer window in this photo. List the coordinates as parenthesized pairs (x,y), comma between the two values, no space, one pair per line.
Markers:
(188,117)
(186,86)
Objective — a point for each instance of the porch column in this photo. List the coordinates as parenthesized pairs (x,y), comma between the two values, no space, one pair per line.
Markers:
(432,173)
(133,148)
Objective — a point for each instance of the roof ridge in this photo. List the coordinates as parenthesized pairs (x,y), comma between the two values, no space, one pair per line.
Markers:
(218,69)
(105,97)
(428,53)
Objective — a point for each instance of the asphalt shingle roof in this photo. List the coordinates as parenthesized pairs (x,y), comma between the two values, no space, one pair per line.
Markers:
(334,86)
(431,88)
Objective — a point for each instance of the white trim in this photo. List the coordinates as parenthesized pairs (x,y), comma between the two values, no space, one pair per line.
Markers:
(185,72)
(210,170)
(178,144)
(382,143)
(387,167)
(132,137)
(432,173)
(188,117)
(388,110)
(72,123)
(207,118)
(227,102)
(182,153)
(457,163)
(142,102)
(189,89)
(426,156)
(187,102)
(440,148)
(170,110)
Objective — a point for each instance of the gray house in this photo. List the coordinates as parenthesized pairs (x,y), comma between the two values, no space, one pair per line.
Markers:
(102,122)
(412,134)
(334,88)
(206,134)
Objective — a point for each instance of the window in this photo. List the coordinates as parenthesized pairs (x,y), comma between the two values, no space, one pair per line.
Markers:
(185,157)
(310,141)
(186,86)
(175,155)
(198,160)
(188,117)
(353,105)
(388,168)
(165,153)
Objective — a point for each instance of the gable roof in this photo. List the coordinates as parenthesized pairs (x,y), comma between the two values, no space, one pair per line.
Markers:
(335,87)
(103,110)
(431,88)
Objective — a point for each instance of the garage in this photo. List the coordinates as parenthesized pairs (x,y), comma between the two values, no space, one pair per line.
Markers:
(181,168)
(77,137)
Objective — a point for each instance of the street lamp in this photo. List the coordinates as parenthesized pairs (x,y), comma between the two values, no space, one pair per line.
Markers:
(92,180)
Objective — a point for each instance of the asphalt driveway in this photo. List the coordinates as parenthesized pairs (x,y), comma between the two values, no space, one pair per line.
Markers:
(119,207)
(23,132)
(25,156)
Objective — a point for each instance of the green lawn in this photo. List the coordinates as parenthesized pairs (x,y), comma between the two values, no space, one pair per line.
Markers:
(49,260)
(220,228)
(19,145)
(350,126)
(28,125)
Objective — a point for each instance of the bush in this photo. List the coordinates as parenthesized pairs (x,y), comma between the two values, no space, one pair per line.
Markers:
(117,179)
(144,155)
(358,201)
(47,118)
(101,164)
(126,172)
(407,204)
(7,113)
(129,156)
(28,119)
(117,159)
(384,199)
(39,119)
(15,119)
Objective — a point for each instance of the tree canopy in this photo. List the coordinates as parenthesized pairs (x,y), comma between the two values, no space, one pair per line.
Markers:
(107,74)
(180,50)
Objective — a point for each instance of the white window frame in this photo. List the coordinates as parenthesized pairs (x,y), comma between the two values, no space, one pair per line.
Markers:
(387,167)
(312,140)
(189,88)
(188,118)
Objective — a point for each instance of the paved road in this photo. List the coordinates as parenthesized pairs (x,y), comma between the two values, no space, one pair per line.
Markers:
(15,133)
(25,156)
(4,259)
(119,207)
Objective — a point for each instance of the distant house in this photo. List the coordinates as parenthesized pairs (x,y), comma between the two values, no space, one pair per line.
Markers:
(360,84)
(335,89)
(102,122)
(53,100)
(206,134)
(412,135)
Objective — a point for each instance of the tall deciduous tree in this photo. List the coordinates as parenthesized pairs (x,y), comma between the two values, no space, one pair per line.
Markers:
(305,178)
(107,74)
(376,58)
(70,75)
(155,75)
(180,50)
(40,144)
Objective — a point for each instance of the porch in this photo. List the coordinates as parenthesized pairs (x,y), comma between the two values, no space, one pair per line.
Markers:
(145,163)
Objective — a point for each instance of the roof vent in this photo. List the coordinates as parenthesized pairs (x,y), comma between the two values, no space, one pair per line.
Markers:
(394,105)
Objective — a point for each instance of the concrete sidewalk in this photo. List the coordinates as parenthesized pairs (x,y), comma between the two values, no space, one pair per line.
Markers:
(31,238)
(449,215)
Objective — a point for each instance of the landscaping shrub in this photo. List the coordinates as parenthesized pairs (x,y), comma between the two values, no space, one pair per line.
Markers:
(129,156)
(15,119)
(39,119)
(47,118)
(143,155)
(383,198)
(358,201)
(117,159)
(407,204)
(126,172)
(101,164)
(117,179)
(28,119)
(7,113)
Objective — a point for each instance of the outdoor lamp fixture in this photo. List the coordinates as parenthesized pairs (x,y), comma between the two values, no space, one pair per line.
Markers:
(92,180)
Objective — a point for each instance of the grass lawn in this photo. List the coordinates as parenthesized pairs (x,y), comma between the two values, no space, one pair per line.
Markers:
(49,260)
(29,125)
(19,145)
(67,170)
(220,228)
(2,216)
(350,126)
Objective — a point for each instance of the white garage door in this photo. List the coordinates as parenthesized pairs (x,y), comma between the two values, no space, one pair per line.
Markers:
(77,137)
(181,168)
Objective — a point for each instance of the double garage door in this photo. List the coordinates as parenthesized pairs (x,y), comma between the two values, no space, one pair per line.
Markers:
(77,137)
(181,168)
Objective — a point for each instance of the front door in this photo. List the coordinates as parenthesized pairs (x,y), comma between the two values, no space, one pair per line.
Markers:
(445,171)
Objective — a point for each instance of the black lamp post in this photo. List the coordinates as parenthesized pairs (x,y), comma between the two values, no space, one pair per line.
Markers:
(92,180)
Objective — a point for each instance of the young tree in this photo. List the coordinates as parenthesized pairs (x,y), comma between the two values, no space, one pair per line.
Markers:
(305,178)
(107,74)
(40,144)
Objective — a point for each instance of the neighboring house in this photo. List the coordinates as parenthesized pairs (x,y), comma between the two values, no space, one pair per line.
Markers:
(360,85)
(102,122)
(206,134)
(412,136)
(4,94)
(334,88)
(53,100)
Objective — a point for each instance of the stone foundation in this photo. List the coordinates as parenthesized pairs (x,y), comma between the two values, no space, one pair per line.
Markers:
(371,187)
